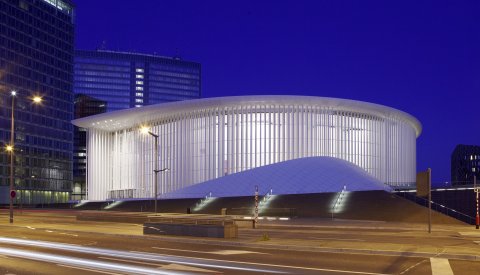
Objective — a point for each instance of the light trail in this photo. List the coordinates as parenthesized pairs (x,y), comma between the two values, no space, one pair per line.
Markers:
(144,256)
(85,263)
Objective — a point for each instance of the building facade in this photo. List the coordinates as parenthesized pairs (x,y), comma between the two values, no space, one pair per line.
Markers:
(83,106)
(36,59)
(127,80)
(200,140)
(465,164)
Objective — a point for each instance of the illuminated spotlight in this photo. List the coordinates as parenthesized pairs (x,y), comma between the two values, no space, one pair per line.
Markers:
(144,129)
(13,93)
(9,148)
(37,99)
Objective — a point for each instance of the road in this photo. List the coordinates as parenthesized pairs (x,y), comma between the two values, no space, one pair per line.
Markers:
(32,250)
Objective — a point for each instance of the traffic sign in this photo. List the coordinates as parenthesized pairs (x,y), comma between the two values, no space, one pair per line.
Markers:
(13,194)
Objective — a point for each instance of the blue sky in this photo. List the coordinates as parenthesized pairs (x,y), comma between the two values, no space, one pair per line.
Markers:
(422,57)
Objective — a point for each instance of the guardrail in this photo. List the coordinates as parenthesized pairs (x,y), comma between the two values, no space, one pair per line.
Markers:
(437,207)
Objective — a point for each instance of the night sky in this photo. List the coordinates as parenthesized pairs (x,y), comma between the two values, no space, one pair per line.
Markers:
(422,57)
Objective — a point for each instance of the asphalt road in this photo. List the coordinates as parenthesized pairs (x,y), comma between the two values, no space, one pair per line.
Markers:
(30,250)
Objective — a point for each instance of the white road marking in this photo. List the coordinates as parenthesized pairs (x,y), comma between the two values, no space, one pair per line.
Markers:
(235,252)
(470,234)
(338,239)
(440,266)
(88,269)
(218,252)
(413,266)
(68,234)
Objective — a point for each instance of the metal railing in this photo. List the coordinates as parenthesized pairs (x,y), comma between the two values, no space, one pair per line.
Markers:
(338,200)
(437,207)
(203,202)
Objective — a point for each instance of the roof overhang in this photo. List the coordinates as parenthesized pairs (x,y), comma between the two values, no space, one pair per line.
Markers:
(129,118)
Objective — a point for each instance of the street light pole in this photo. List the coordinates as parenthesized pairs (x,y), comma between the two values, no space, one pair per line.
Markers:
(156,168)
(146,130)
(11,148)
(12,134)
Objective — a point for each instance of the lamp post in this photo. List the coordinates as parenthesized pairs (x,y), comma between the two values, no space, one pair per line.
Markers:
(146,130)
(10,148)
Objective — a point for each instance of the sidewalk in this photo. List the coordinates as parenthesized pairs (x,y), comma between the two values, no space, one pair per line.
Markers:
(349,236)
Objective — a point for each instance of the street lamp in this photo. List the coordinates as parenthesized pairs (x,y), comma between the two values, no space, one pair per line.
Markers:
(145,130)
(10,148)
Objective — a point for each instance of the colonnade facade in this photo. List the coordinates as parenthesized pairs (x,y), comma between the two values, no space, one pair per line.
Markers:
(200,144)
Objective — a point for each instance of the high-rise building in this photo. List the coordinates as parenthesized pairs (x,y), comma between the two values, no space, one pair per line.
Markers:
(465,163)
(84,106)
(126,80)
(36,59)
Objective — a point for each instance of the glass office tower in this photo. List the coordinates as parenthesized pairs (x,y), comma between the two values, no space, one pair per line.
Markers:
(465,164)
(127,80)
(84,106)
(36,58)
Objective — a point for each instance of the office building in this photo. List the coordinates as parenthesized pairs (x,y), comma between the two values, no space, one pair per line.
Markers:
(127,80)
(465,163)
(84,106)
(36,59)
(206,139)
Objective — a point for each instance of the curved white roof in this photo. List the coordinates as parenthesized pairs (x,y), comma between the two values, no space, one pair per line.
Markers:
(124,119)
(298,176)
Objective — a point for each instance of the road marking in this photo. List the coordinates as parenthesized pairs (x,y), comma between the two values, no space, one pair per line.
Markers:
(68,234)
(234,252)
(218,252)
(338,239)
(413,266)
(88,269)
(49,231)
(440,266)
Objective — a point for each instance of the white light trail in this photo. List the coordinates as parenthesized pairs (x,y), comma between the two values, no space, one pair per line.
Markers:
(144,256)
(86,263)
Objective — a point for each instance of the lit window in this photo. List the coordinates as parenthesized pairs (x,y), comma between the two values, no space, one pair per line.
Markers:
(139,100)
(139,82)
(139,70)
(138,106)
(139,88)
(139,76)
(139,94)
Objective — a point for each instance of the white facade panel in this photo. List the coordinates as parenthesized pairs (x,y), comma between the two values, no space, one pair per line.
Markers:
(205,139)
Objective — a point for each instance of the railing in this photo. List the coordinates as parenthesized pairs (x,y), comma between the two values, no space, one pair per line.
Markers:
(437,207)
(264,201)
(203,202)
(338,200)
